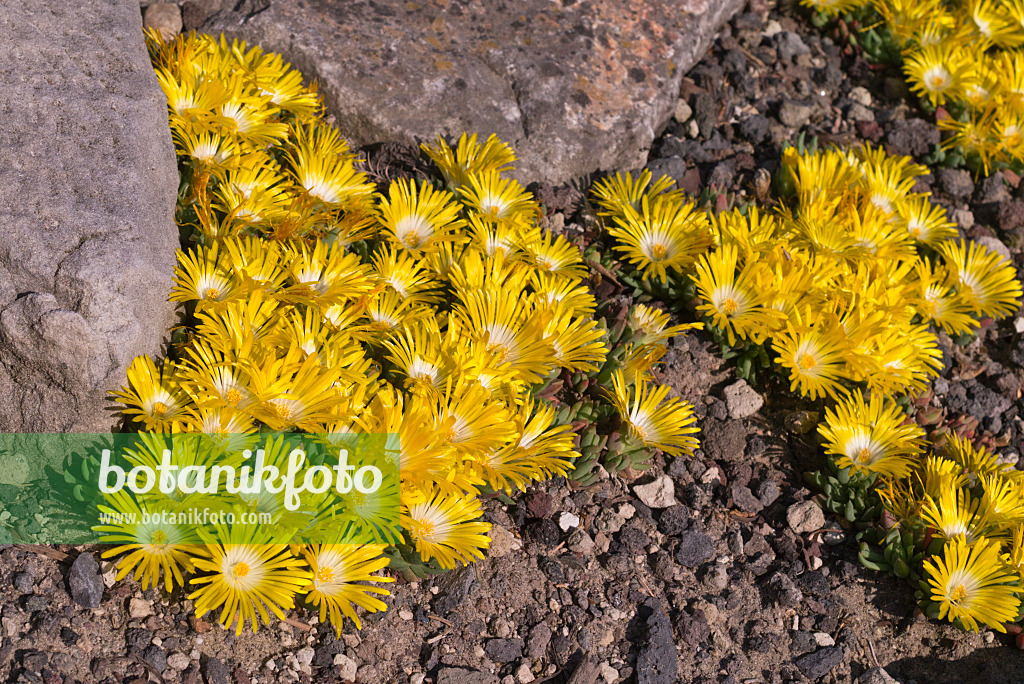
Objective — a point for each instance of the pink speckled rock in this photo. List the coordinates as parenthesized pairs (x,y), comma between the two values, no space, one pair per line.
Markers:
(574,86)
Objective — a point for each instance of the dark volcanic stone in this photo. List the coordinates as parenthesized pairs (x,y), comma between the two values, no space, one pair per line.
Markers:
(821,662)
(456,675)
(785,591)
(453,587)
(540,504)
(914,137)
(23,582)
(694,548)
(537,643)
(674,167)
(745,499)
(790,45)
(553,569)
(705,113)
(656,660)
(543,531)
(756,129)
(802,642)
(138,638)
(674,520)
(634,539)
(1010,218)
(155,657)
(85,582)
(216,672)
(697,496)
(956,183)
(724,440)
(34,661)
(504,650)
(768,492)
(693,629)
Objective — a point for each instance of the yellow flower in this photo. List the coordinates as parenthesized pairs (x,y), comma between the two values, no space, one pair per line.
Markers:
(735,301)
(418,218)
(542,449)
(340,576)
(871,436)
(815,359)
(621,196)
(469,420)
(940,302)
(664,235)
(154,548)
(577,343)
(938,71)
(496,198)
(202,276)
(985,278)
(954,513)
(504,322)
(469,157)
(556,255)
(323,166)
(246,576)
(925,222)
(153,395)
(657,420)
(970,585)
(447,529)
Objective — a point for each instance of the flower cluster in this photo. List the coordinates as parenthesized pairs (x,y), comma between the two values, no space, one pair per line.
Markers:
(315,301)
(845,282)
(965,56)
(955,516)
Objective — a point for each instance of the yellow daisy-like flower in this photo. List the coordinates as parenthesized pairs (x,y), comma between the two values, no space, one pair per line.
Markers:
(736,302)
(447,529)
(154,549)
(955,513)
(815,359)
(665,234)
(621,195)
(976,462)
(153,395)
(246,577)
(340,576)
(202,276)
(657,420)
(871,436)
(497,198)
(323,166)
(938,71)
(971,585)
(418,218)
(557,256)
(542,450)
(470,157)
(940,302)
(985,277)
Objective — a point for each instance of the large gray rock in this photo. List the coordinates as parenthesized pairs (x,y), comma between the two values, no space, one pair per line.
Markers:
(87,191)
(573,86)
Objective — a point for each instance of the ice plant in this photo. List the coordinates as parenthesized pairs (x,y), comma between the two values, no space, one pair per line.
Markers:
(435,310)
(971,586)
(839,282)
(964,55)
